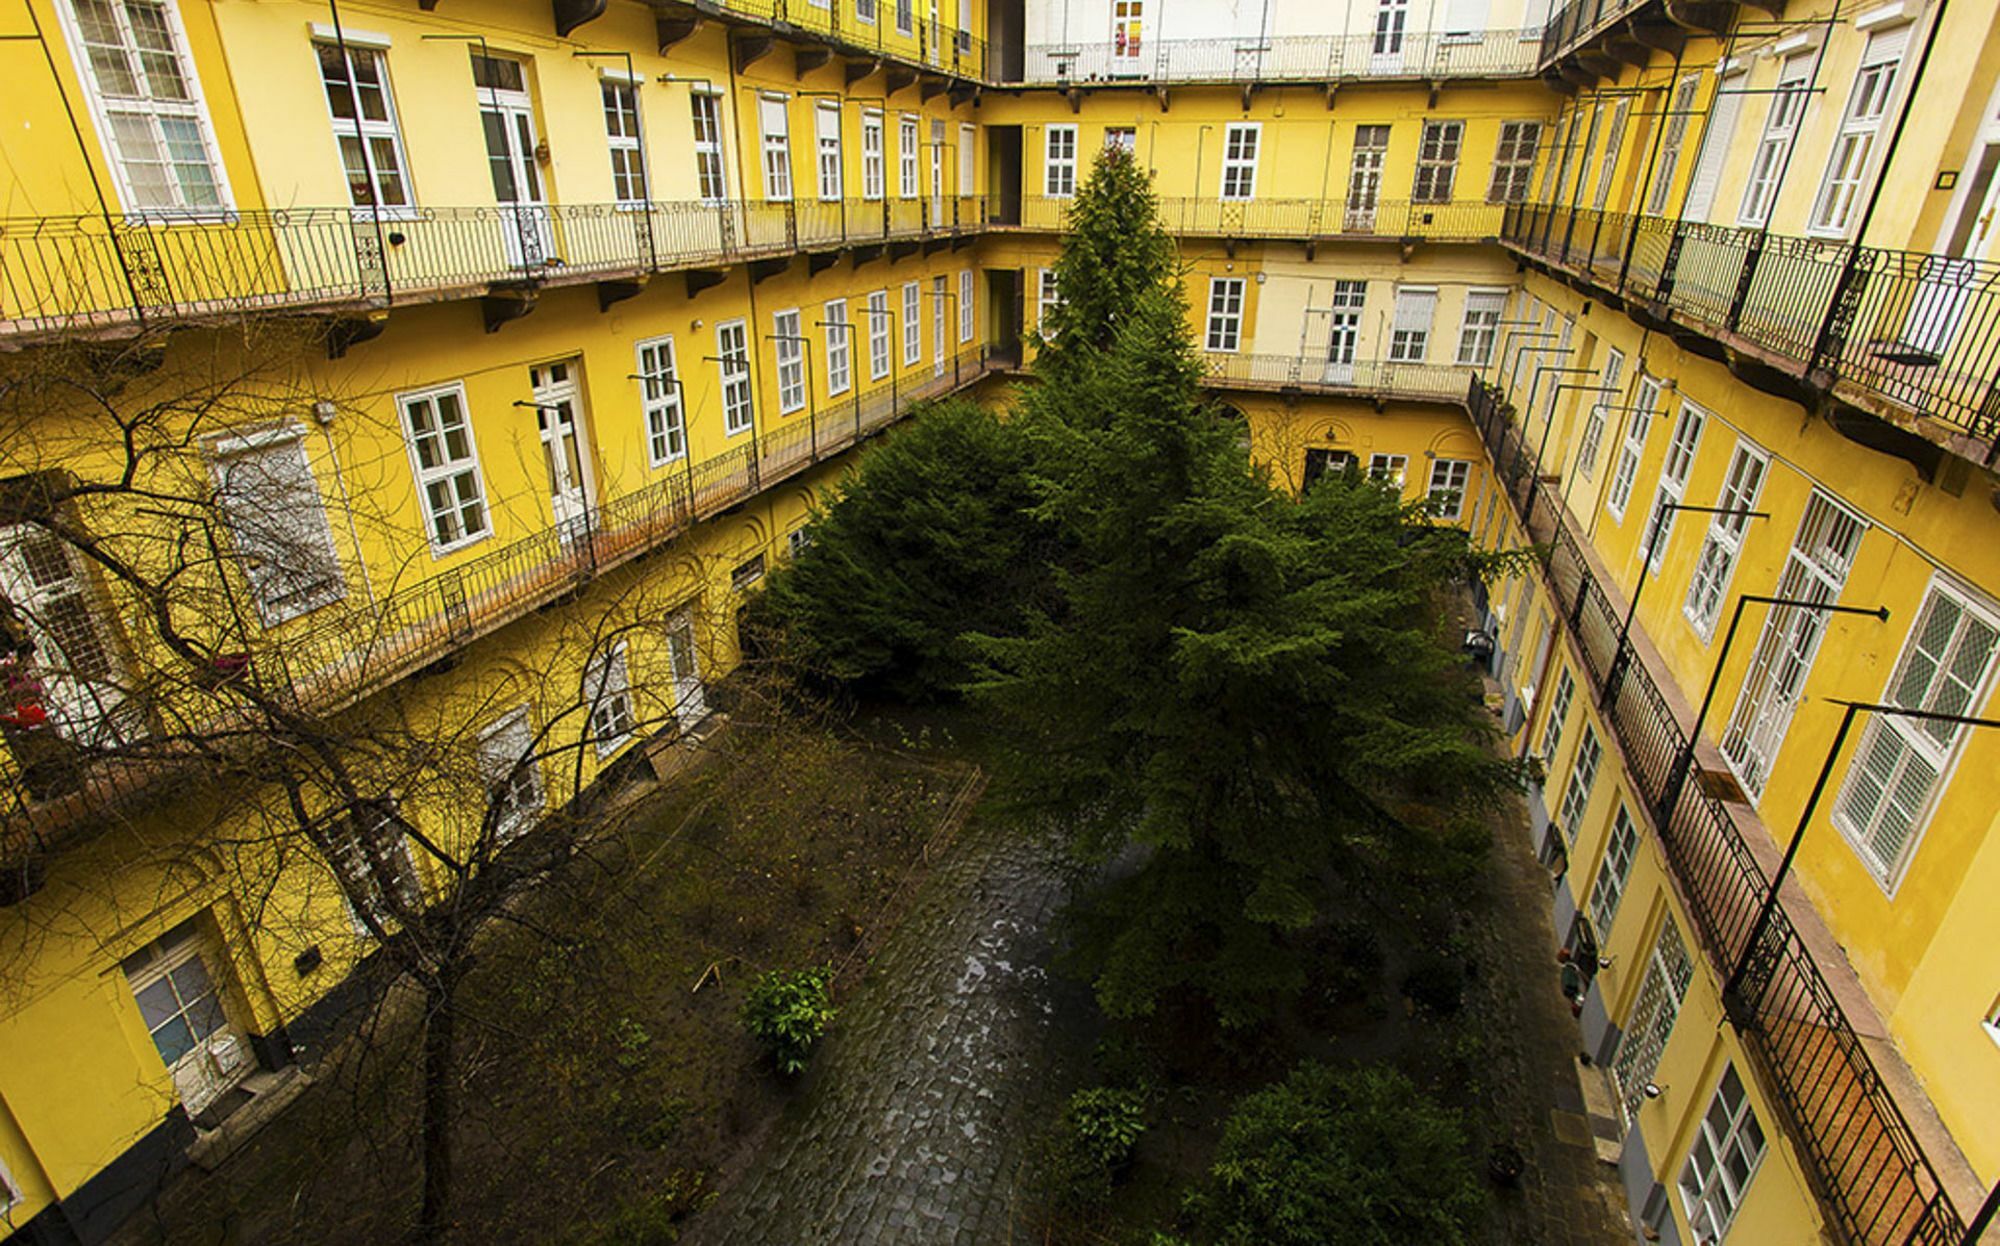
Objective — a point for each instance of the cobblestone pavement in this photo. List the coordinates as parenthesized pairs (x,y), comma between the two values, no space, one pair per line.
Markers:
(1567,1196)
(932,1086)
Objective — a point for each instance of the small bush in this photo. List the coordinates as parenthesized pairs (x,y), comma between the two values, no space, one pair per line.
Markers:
(789,1013)
(1435,983)
(1362,1159)
(1092,1145)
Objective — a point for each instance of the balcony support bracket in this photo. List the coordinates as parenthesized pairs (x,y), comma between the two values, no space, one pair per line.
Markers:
(1659,36)
(818,262)
(343,332)
(931,87)
(1166,100)
(747,49)
(858,69)
(901,250)
(933,244)
(570,14)
(807,57)
(897,78)
(699,279)
(866,255)
(671,28)
(964,92)
(1759,375)
(1867,429)
(762,270)
(609,292)
(1437,85)
(503,303)
(1332,93)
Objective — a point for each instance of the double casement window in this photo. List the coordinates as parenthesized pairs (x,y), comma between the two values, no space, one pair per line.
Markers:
(872,167)
(1321,463)
(1874,86)
(826,123)
(1614,144)
(364,126)
(1613,871)
(1514,161)
(1816,569)
(906,16)
(906,156)
(369,849)
(1724,541)
(1552,726)
(789,349)
(1123,138)
(1410,331)
(940,295)
(1447,487)
(1059,162)
(732,349)
(1669,971)
(1945,668)
(621,131)
(968,160)
(777,139)
(1389,469)
(706,110)
(747,573)
(879,327)
(1582,777)
(607,693)
(965,307)
(1047,297)
(864,11)
(839,374)
(1680,113)
(512,772)
(446,463)
(1391,16)
(44,584)
(1239,160)
(913,324)
(1593,422)
(1437,161)
(132,56)
(1619,495)
(660,399)
(1788,105)
(277,522)
(1225,313)
(1674,471)
(1481,326)
(1728,1148)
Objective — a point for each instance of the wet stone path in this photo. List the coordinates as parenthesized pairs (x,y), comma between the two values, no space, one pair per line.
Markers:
(938,1076)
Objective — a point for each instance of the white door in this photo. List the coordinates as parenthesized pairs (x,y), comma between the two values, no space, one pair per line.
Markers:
(1128,18)
(1345,335)
(1364,179)
(508,118)
(558,417)
(73,662)
(690,699)
(181,1003)
(938,295)
(1391,17)
(1948,277)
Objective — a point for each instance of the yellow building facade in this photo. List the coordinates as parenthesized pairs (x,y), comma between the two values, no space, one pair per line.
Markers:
(530,332)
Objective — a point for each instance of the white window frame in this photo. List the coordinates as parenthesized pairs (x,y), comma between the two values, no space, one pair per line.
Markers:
(966,325)
(354,868)
(1479,326)
(940,293)
(790,354)
(913,324)
(193,109)
(776,147)
(1592,440)
(864,12)
(968,158)
(1710,1195)
(1614,870)
(1407,342)
(660,400)
(1632,448)
(1875,85)
(705,116)
(1672,141)
(1553,725)
(629,145)
(1708,587)
(1788,107)
(839,355)
(832,179)
(1682,447)
(1226,297)
(881,331)
(1649,1026)
(500,735)
(1240,143)
(445,471)
(1933,745)
(1456,476)
(739,405)
(1514,161)
(1582,778)
(1059,162)
(1389,469)
(1047,295)
(607,699)
(388,129)
(906,155)
(285,592)
(1438,150)
(1614,147)
(872,158)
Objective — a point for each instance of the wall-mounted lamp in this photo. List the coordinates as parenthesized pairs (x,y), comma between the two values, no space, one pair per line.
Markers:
(1654,1090)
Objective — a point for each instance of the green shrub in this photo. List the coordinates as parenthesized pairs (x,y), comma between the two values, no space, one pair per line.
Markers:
(1435,983)
(1091,1145)
(789,1013)
(1362,1159)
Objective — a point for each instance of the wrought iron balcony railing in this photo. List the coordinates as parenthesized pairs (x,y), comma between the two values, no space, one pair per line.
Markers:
(1912,330)
(1287,58)
(1370,377)
(349,648)
(1463,220)
(85,273)
(1577,21)
(892,29)
(1871,1173)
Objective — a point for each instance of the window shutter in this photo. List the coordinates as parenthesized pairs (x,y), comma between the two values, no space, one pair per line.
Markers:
(278,522)
(1414,309)
(1463,17)
(1714,149)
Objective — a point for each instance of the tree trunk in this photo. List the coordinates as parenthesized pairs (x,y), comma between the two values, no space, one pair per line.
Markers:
(438,1103)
